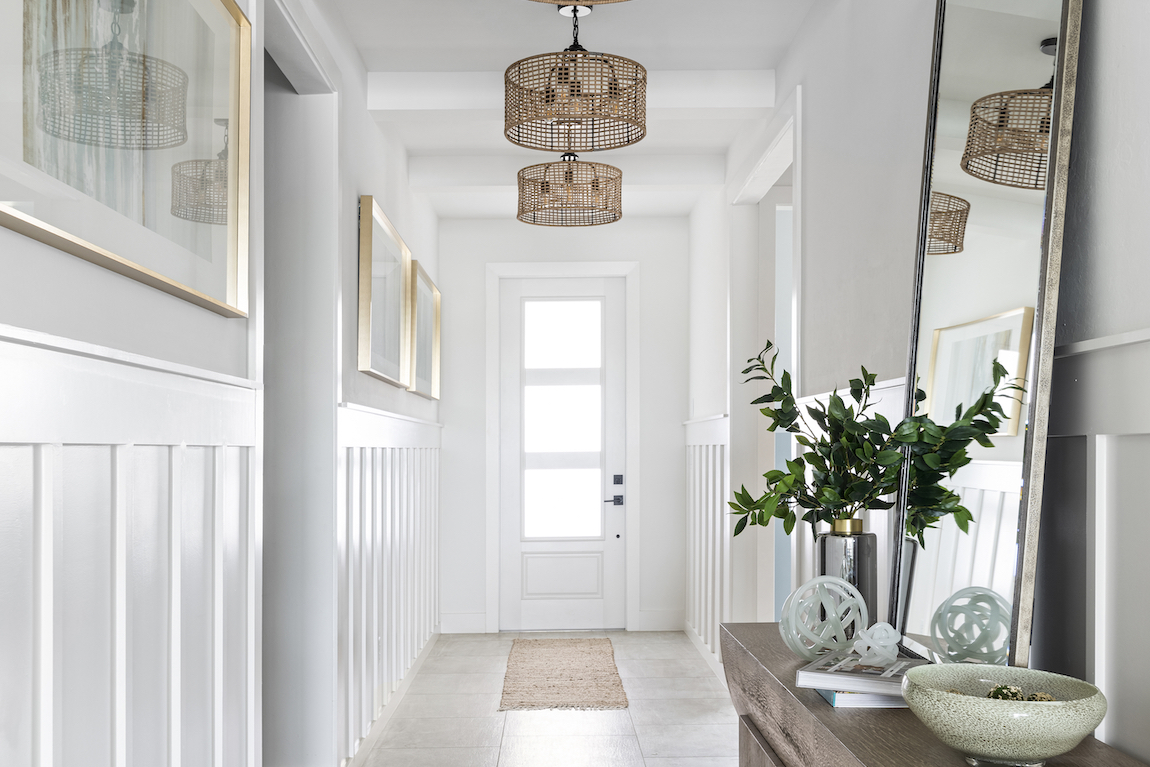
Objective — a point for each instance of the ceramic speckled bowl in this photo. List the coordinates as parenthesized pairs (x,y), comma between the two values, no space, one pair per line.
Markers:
(1014,732)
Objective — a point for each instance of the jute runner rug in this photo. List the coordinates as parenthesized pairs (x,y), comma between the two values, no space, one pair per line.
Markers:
(562,673)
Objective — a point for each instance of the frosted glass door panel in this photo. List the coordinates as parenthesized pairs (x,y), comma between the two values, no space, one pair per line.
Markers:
(562,503)
(562,419)
(562,334)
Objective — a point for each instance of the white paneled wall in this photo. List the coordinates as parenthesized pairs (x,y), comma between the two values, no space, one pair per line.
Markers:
(709,529)
(128,564)
(387,538)
(985,556)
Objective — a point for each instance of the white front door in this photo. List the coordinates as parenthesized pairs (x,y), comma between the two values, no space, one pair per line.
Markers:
(562,452)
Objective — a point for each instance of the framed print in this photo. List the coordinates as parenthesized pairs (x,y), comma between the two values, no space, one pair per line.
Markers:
(124,138)
(425,304)
(384,297)
(961,364)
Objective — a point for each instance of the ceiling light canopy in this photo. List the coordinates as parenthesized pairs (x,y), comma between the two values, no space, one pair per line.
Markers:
(113,97)
(570,193)
(1009,138)
(567,3)
(575,100)
(946,228)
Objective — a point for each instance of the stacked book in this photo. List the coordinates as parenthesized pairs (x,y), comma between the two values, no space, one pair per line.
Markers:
(846,682)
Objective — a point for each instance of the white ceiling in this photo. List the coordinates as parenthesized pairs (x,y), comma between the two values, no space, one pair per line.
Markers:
(467,35)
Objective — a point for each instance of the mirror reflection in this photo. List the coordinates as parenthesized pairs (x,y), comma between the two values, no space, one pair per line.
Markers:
(980,287)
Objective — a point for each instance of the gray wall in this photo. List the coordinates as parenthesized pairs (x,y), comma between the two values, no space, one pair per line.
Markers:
(1094,521)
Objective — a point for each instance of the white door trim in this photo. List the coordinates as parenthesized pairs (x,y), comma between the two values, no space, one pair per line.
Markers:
(629,270)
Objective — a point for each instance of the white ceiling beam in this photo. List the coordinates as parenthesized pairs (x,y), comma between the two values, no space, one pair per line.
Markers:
(390,94)
(469,172)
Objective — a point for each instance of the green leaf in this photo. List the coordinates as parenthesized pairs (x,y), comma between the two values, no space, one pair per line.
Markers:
(888,457)
(932,460)
(789,523)
(742,524)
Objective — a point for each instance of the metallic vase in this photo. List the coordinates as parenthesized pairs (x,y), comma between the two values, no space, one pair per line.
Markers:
(852,555)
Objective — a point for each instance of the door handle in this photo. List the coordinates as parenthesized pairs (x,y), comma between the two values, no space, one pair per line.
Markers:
(615,500)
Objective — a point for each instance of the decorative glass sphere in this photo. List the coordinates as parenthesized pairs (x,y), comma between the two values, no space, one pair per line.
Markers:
(823,614)
(877,645)
(974,624)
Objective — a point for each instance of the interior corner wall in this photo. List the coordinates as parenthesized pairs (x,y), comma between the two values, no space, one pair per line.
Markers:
(1095,394)
(865,72)
(660,245)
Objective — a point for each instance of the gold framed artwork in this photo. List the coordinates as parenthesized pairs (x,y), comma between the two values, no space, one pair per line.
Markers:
(125,139)
(384,297)
(425,318)
(961,364)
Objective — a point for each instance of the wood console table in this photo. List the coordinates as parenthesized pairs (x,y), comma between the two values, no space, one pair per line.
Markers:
(787,726)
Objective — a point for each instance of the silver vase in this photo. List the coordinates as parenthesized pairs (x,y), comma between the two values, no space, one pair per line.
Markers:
(848,553)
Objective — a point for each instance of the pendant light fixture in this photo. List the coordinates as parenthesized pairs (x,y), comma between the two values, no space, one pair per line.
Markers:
(570,193)
(112,97)
(575,100)
(200,187)
(567,3)
(1009,138)
(946,227)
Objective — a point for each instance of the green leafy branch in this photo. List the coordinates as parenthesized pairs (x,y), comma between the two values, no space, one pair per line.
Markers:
(853,458)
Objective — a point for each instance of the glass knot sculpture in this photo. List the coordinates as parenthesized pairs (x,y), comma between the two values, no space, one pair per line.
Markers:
(877,645)
(973,625)
(823,614)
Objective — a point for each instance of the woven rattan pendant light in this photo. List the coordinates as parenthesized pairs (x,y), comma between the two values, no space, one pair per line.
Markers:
(200,187)
(112,97)
(570,193)
(947,224)
(575,100)
(1009,138)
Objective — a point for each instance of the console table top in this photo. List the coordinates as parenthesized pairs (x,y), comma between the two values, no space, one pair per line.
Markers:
(804,729)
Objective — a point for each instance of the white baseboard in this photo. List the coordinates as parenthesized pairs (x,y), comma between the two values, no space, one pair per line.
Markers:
(711,658)
(463,623)
(365,748)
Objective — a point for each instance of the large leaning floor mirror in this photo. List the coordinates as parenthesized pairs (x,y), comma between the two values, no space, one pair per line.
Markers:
(994,189)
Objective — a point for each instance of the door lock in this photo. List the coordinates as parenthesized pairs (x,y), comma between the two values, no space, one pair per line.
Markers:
(615,500)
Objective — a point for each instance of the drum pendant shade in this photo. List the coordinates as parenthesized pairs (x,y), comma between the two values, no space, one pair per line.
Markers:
(570,193)
(947,225)
(575,101)
(1009,138)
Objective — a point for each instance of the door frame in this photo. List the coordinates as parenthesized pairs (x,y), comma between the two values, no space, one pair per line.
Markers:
(629,271)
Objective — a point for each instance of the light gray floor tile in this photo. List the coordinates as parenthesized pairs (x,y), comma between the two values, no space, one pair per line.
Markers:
(557,722)
(695,761)
(562,634)
(433,757)
(448,684)
(478,637)
(484,732)
(638,687)
(571,751)
(689,740)
(471,647)
(683,711)
(664,668)
(649,636)
(465,664)
(436,706)
(654,651)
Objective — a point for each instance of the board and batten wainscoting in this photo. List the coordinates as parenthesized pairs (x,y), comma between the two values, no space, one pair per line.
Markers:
(709,531)
(388,543)
(129,558)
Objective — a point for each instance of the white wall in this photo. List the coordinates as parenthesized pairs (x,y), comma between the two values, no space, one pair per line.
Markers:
(864,68)
(1092,528)
(661,248)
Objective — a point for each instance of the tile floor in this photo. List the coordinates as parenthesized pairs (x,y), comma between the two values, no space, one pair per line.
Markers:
(679,714)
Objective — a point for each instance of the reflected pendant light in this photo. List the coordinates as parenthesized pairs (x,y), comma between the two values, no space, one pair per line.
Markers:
(1009,138)
(570,193)
(112,97)
(575,100)
(946,228)
(200,187)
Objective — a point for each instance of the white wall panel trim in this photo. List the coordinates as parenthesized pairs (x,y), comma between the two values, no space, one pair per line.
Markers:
(1128,338)
(38,340)
(45,500)
(709,533)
